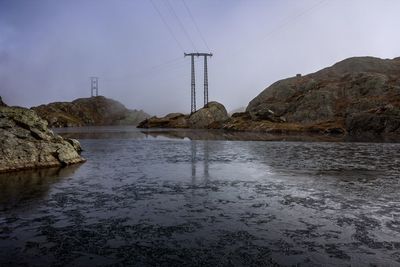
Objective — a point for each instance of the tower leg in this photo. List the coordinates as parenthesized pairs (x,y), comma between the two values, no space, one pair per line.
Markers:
(205,82)
(193,89)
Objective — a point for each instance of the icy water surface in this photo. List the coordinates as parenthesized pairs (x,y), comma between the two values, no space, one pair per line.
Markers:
(157,200)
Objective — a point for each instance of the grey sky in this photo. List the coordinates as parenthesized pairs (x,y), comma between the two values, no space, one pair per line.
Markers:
(48,49)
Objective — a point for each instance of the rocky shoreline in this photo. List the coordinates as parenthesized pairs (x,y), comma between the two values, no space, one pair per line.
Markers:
(355,98)
(213,116)
(27,143)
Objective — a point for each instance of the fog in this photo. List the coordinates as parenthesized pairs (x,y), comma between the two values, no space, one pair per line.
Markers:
(49,49)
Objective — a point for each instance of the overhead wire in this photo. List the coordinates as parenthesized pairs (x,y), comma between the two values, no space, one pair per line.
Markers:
(175,62)
(172,11)
(282,25)
(195,25)
(151,70)
(167,72)
(288,20)
(173,65)
(166,25)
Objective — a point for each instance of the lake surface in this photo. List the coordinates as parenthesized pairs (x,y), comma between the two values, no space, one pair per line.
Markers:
(203,198)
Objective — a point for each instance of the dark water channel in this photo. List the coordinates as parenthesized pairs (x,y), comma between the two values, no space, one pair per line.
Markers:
(159,199)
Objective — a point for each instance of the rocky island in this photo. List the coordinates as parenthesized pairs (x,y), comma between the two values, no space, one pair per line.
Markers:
(93,111)
(358,96)
(27,143)
(213,116)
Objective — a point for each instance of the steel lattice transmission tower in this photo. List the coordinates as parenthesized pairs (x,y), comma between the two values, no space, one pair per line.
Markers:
(94,86)
(193,79)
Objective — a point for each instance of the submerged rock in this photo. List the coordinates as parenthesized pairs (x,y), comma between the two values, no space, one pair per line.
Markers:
(27,143)
(94,111)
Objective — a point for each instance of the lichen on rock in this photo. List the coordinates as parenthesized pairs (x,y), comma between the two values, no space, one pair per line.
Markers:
(26,142)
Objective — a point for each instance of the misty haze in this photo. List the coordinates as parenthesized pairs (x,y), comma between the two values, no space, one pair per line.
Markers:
(199,133)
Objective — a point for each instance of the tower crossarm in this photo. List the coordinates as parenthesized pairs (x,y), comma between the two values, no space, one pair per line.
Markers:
(199,54)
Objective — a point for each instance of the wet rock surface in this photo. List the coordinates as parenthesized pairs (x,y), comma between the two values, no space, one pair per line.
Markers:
(147,201)
(26,142)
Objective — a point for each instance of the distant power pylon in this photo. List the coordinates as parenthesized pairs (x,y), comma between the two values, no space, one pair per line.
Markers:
(94,86)
(193,80)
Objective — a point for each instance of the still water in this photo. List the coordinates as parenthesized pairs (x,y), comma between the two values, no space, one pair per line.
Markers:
(169,198)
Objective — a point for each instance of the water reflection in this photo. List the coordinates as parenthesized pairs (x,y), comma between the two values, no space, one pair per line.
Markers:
(234,136)
(203,201)
(194,155)
(22,188)
(204,159)
(131,132)
(102,132)
(206,151)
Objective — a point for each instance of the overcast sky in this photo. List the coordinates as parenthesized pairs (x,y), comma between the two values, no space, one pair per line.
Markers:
(48,49)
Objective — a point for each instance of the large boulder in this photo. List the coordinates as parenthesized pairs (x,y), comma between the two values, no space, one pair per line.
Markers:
(345,95)
(211,116)
(93,111)
(27,143)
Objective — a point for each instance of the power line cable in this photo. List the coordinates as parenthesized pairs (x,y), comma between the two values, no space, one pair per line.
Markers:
(171,9)
(157,73)
(284,24)
(290,19)
(164,65)
(195,24)
(167,25)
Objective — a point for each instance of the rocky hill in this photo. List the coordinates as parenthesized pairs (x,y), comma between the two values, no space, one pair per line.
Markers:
(357,96)
(94,111)
(27,143)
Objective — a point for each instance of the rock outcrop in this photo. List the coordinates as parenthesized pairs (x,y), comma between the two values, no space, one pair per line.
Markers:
(2,104)
(27,143)
(211,117)
(94,111)
(172,120)
(356,96)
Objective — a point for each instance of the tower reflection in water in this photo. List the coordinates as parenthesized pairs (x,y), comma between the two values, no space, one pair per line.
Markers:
(198,157)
